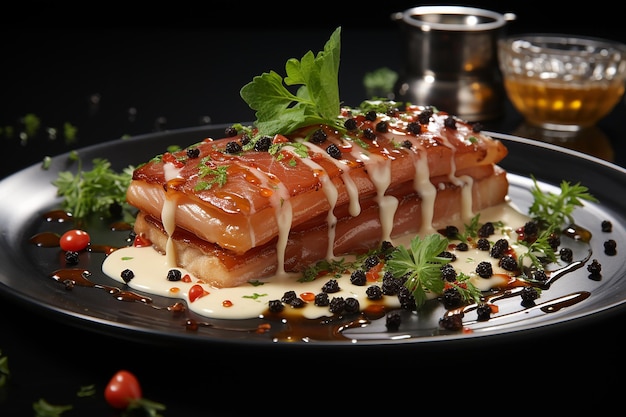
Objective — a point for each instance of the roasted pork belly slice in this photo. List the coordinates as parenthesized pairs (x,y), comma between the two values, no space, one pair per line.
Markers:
(309,242)
(260,188)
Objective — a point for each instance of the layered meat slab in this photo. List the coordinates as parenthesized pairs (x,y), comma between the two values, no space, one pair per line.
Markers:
(240,208)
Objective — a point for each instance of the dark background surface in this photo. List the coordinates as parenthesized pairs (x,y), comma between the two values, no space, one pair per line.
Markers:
(185,68)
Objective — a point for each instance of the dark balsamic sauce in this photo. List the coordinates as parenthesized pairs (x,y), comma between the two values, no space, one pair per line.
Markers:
(293,327)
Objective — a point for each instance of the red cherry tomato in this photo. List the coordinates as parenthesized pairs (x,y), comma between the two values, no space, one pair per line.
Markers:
(122,389)
(196,291)
(74,240)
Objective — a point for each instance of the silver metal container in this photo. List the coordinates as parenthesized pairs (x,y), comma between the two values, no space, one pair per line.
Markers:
(450,60)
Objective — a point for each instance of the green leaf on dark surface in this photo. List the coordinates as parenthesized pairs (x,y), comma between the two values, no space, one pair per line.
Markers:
(316,100)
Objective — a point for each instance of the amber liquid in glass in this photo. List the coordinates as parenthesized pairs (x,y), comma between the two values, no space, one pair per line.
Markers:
(565,106)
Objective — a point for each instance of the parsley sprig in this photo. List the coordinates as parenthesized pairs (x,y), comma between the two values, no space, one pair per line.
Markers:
(556,209)
(539,251)
(316,100)
(421,265)
(94,191)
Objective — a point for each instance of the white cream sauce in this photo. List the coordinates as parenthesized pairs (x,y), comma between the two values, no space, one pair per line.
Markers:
(249,301)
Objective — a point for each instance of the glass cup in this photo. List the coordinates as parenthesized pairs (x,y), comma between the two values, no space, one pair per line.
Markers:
(562,82)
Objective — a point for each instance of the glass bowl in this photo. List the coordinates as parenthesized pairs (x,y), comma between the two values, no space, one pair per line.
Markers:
(562,82)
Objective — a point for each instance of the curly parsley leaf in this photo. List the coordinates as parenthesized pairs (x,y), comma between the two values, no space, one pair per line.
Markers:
(556,209)
(421,265)
(94,191)
(316,100)
(468,291)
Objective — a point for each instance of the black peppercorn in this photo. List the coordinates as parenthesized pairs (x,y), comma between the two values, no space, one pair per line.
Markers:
(233,147)
(193,153)
(374,292)
(370,262)
(451,232)
(607,226)
(610,247)
(594,268)
(425,115)
(529,295)
(449,122)
(448,273)
(358,277)
(414,128)
(482,244)
(463,247)
(71,257)
(334,151)
(451,298)
(352,305)
(331,286)
(508,263)
(393,320)
(499,248)
(337,305)
(448,255)
(319,136)
(486,230)
(288,297)
(127,275)
(451,322)
(369,134)
(484,269)
(297,303)
(321,299)
(350,124)
(391,285)
(230,131)
(483,311)
(263,144)
(540,275)
(567,255)
(275,306)
(407,299)
(174,275)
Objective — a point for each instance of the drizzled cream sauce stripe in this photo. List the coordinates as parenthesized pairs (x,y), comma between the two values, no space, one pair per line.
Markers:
(353,192)
(464,181)
(423,186)
(279,199)
(331,193)
(168,212)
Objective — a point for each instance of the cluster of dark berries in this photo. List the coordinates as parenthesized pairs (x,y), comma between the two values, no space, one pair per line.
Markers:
(336,305)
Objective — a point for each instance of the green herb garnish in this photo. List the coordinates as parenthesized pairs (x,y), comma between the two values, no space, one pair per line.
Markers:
(539,251)
(334,267)
(94,191)
(316,100)
(218,175)
(421,265)
(555,209)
